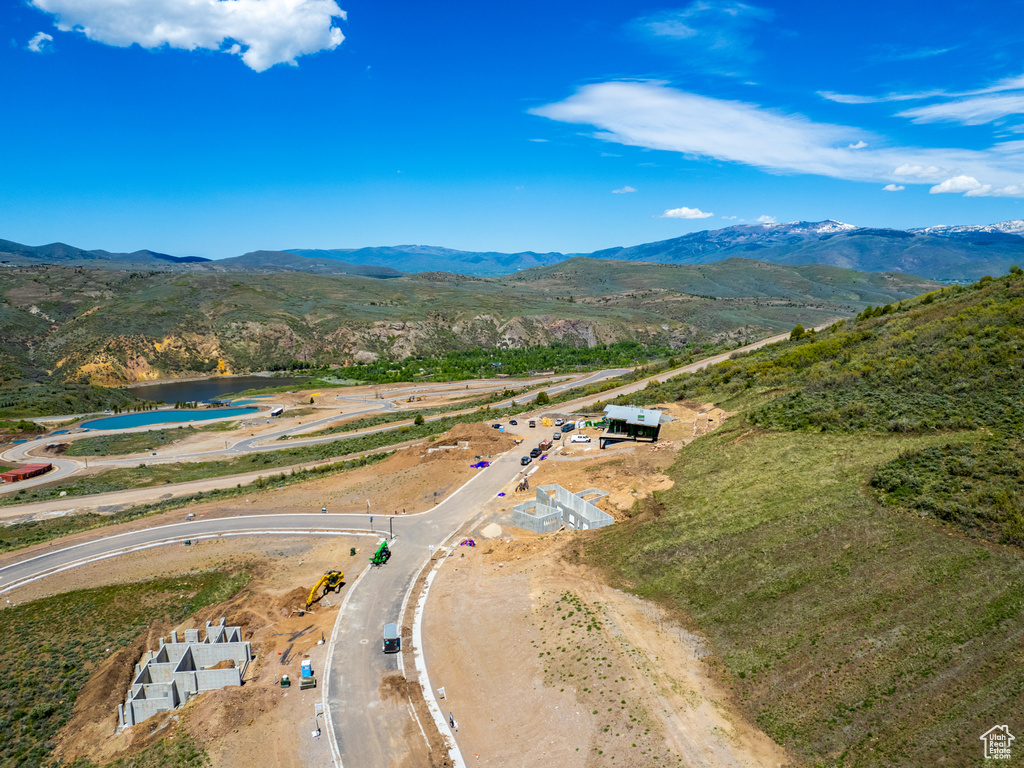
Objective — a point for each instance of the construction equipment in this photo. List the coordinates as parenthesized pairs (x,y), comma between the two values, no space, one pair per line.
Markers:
(330,580)
(381,555)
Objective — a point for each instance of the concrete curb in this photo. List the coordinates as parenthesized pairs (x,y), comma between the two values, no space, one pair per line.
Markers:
(421,667)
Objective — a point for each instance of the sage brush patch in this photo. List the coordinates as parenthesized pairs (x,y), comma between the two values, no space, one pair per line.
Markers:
(49,647)
(978,486)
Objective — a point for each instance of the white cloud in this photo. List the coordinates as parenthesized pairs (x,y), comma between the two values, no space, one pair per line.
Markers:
(624,190)
(1011,190)
(956,184)
(858,145)
(765,219)
(654,116)
(685,213)
(729,218)
(973,107)
(1014,83)
(40,43)
(708,34)
(262,32)
(893,188)
(849,98)
(903,54)
(977,110)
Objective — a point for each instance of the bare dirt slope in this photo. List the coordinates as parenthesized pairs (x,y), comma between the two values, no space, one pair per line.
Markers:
(543,665)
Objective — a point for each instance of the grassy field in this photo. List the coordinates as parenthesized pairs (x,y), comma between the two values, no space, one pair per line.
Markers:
(132,442)
(842,541)
(178,751)
(54,399)
(852,632)
(49,647)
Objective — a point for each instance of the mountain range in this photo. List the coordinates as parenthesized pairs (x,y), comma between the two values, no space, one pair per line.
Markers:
(953,252)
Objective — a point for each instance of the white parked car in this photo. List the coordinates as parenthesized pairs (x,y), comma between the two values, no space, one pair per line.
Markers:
(580,439)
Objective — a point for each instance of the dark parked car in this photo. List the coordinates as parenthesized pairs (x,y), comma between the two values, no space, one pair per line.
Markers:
(525,460)
(495,426)
(513,422)
(535,453)
(392,639)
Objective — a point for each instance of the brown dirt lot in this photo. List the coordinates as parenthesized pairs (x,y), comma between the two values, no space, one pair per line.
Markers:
(544,665)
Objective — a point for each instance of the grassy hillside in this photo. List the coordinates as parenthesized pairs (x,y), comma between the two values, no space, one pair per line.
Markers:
(77,325)
(849,541)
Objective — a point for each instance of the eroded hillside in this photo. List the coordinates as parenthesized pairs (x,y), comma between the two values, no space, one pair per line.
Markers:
(105,327)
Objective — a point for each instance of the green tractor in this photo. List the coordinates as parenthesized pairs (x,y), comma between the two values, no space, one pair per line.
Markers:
(381,555)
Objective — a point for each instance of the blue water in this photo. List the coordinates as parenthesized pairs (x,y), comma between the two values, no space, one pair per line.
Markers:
(237,403)
(145,418)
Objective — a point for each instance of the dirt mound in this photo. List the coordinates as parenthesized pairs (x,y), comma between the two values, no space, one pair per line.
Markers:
(479,436)
(296,598)
(396,686)
(525,544)
(226,664)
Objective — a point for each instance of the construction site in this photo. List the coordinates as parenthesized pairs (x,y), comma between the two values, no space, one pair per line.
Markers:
(246,683)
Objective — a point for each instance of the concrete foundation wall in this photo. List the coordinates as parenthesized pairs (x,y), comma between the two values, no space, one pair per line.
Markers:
(555,506)
(168,676)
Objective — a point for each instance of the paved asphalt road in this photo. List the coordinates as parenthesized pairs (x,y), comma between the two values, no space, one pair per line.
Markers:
(368,731)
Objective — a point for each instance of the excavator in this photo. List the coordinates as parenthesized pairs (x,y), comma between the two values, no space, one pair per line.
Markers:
(330,580)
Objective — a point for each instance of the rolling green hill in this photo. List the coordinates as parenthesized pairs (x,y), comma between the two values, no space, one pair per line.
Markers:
(78,325)
(850,541)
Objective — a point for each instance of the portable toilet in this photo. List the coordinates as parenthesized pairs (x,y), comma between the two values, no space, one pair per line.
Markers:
(307,668)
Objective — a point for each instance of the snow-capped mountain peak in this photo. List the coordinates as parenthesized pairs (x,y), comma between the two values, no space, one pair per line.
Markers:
(1013,227)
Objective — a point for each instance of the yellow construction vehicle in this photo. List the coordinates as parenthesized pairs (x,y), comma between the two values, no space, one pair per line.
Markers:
(330,580)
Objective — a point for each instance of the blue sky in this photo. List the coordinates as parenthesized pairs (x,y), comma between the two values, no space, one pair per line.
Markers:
(212,128)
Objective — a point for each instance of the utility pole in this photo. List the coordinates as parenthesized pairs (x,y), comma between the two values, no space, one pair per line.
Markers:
(391,523)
